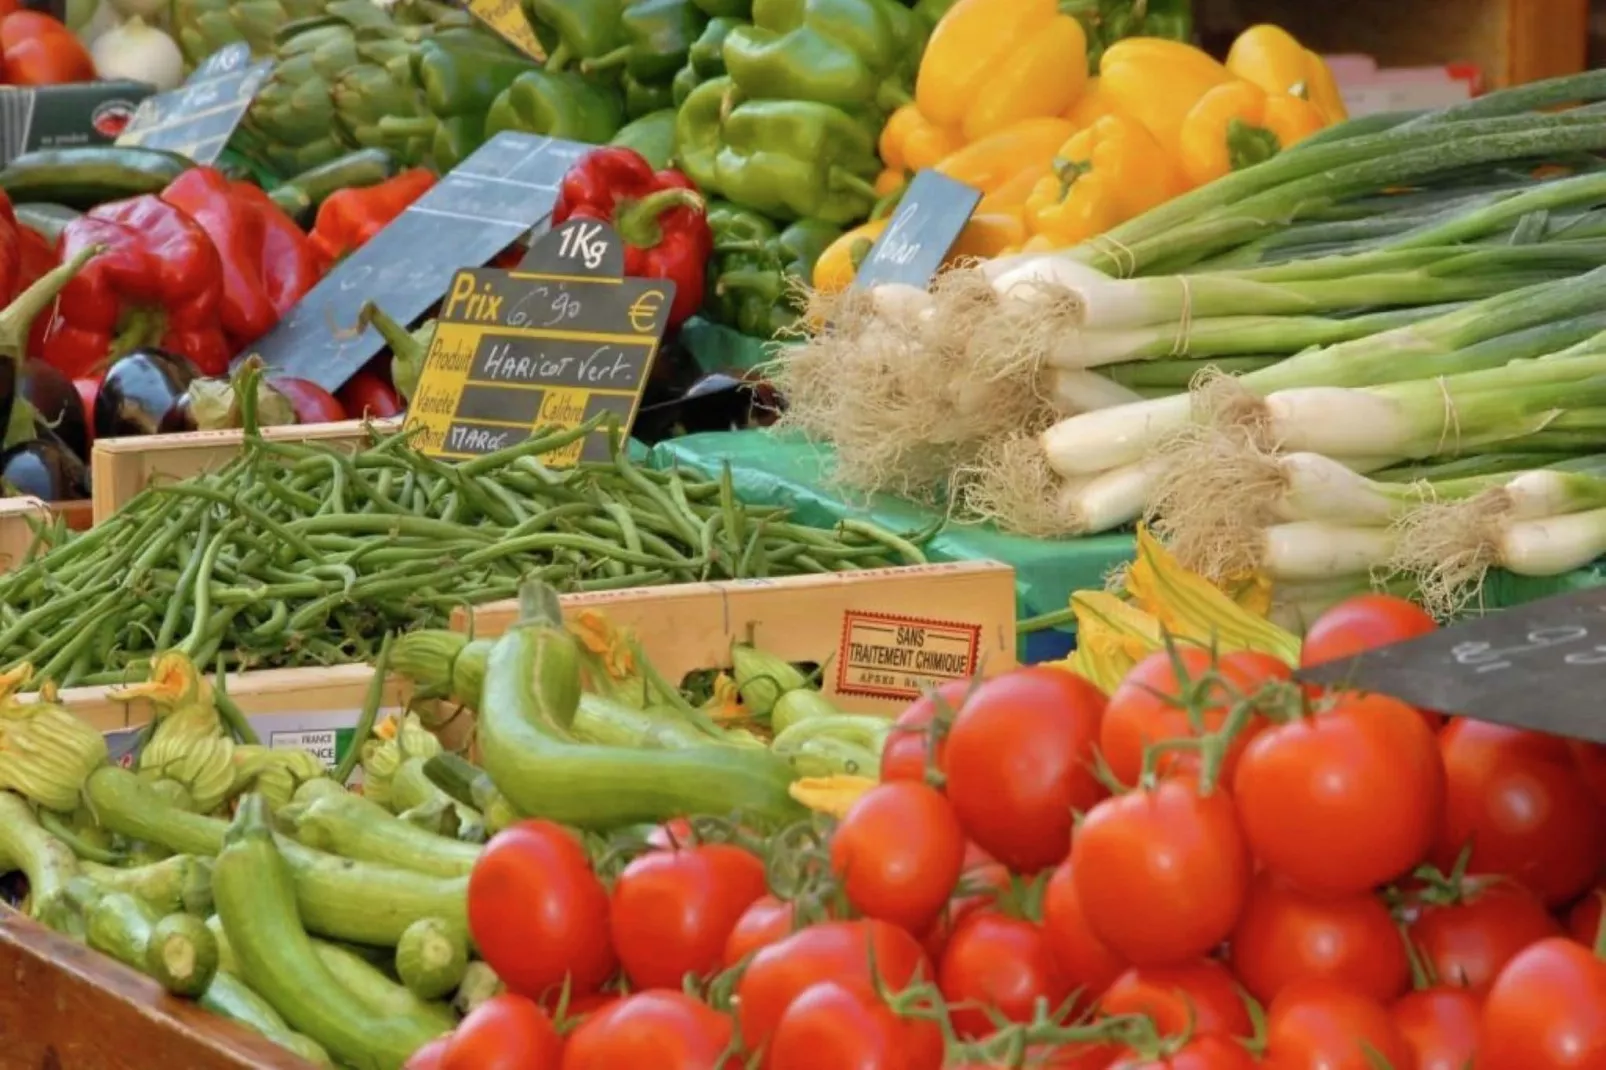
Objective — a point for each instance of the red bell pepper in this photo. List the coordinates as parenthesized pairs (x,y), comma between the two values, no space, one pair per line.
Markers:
(37,50)
(159,282)
(659,215)
(349,217)
(268,263)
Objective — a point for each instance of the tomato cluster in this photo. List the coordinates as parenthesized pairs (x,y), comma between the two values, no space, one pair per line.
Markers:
(1209,869)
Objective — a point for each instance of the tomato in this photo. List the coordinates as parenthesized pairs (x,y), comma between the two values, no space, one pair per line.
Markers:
(1585,920)
(997,963)
(982,887)
(1363,623)
(1546,1011)
(671,835)
(538,913)
(1162,873)
(1467,943)
(431,1056)
(1521,801)
(1440,1025)
(907,753)
(840,951)
(1322,1025)
(672,911)
(834,1025)
(1286,935)
(1083,958)
(506,1032)
(567,1011)
(1145,709)
(1591,759)
(38,50)
(1201,1053)
(1020,764)
(1343,800)
(898,853)
(661,1029)
(1200,995)
(767,920)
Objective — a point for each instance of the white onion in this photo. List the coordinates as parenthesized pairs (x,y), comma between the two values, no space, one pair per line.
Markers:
(138,52)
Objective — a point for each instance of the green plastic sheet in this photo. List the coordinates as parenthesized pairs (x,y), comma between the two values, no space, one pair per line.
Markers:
(717,348)
(774,469)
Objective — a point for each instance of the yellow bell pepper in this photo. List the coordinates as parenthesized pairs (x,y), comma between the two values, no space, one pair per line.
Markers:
(1104,175)
(1093,104)
(1009,197)
(1157,82)
(995,159)
(1270,57)
(1239,124)
(991,63)
(985,236)
(890,181)
(911,142)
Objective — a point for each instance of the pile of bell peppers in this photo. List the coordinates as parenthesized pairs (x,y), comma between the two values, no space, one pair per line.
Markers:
(201,270)
(1062,152)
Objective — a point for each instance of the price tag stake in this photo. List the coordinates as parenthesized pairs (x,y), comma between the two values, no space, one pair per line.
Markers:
(197,119)
(928,220)
(546,347)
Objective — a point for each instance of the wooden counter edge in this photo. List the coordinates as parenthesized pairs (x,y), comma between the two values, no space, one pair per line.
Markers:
(67,1007)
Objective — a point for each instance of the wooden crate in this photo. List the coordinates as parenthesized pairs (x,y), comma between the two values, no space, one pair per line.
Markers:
(881,636)
(1511,41)
(19,515)
(65,1006)
(122,467)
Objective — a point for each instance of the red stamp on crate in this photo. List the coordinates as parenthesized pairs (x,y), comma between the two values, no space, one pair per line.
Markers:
(883,655)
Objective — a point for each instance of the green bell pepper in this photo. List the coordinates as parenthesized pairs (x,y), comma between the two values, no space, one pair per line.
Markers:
(565,104)
(741,240)
(705,59)
(651,135)
(741,10)
(697,131)
(575,30)
(1108,21)
(657,36)
(759,274)
(852,53)
(461,71)
(643,98)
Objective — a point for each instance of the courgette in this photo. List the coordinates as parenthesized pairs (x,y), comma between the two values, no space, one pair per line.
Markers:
(83,176)
(45,219)
(176,883)
(229,997)
(256,904)
(181,954)
(352,827)
(532,690)
(119,925)
(431,958)
(365,903)
(301,195)
(48,863)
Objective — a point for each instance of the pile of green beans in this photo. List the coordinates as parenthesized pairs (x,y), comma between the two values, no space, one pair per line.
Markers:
(300,554)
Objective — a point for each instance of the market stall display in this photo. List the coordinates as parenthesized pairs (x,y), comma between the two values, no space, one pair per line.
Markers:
(457,669)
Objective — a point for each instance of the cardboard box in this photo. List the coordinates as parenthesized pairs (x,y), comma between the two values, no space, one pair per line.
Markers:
(122,467)
(881,636)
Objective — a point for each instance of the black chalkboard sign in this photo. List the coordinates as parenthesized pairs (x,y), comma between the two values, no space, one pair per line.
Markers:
(58,116)
(197,119)
(478,209)
(928,220)
(549,346)
(1539,666)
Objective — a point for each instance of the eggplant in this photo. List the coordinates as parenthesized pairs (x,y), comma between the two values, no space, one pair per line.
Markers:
(57,403)
(45,468)
(145,393)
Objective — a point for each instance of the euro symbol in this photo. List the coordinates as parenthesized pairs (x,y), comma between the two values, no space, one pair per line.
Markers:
(645,310)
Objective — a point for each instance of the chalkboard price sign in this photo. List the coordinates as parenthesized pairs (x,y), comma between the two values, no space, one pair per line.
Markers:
(549,346)
(198,118)
(928,220)
(1539,666)
(477,210)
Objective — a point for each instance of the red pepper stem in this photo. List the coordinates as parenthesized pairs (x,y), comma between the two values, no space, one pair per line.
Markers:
(638,221)
(18,317)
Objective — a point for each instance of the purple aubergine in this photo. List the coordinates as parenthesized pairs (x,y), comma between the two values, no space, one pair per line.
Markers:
(57,403)
(143,393)
(45,468)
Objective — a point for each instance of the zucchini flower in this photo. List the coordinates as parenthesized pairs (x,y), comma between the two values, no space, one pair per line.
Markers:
(395,741)
(425,658)
(832,794)
(190,745)
(46,753)
(274,774)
